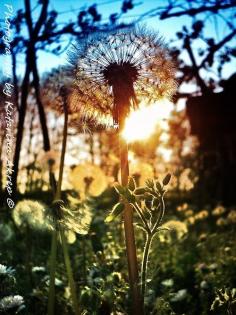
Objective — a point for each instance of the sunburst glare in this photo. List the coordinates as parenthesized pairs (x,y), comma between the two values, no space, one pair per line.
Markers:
(141,123)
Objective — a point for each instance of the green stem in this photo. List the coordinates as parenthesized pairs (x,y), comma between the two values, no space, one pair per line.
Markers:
(84,259)
(145,263)
(51,298)
(137,307)
(58,196)
(29,255)
(139,211)
(69,273)
(63,152)
(161,215)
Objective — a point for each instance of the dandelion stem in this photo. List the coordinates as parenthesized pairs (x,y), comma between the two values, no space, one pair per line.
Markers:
(58,195)
(54,237)
(69,273)
(129,235)
(51,298)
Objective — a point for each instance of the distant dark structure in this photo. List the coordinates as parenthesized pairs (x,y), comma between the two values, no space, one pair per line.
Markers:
(213,120)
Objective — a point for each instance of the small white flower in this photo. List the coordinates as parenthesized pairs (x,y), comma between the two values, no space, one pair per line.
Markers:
(11,301)
(38,269)
(179,295)
(3,269)
(168,282)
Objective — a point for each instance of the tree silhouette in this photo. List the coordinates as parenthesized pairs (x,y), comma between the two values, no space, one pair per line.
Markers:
(45,33)
(202,62)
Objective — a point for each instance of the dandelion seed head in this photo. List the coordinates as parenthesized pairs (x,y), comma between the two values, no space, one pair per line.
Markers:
(218,210)
(49,159)
(179,228)
(232,216)
(30,213)
(203,214)
(77,219)
(59,90)
(70,236)
(55,85)
(141,171)
(88,179)
(6,232)
(122,67)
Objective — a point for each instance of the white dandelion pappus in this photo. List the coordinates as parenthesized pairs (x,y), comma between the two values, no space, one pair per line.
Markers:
(121,68)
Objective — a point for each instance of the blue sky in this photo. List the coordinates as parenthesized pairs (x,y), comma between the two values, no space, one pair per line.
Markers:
(69,9)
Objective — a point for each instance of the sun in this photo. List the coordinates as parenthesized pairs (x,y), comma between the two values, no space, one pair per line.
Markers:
(141,123)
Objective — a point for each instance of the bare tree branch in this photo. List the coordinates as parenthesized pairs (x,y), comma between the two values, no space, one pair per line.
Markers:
(193,11)
(201,82)
(214,48)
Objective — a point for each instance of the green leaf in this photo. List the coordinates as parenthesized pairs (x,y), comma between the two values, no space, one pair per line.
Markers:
(159,186)
(155,202)
(117,210)
(131,184)
(119,189)
(147,215)
(163,229)
(129,196)
(166,180)
(150,183)
(140,191)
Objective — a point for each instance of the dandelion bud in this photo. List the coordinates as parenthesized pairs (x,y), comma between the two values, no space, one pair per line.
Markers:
(131,184)
(166,180)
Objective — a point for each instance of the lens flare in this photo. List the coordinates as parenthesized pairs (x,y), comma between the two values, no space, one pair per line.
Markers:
(142,123)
